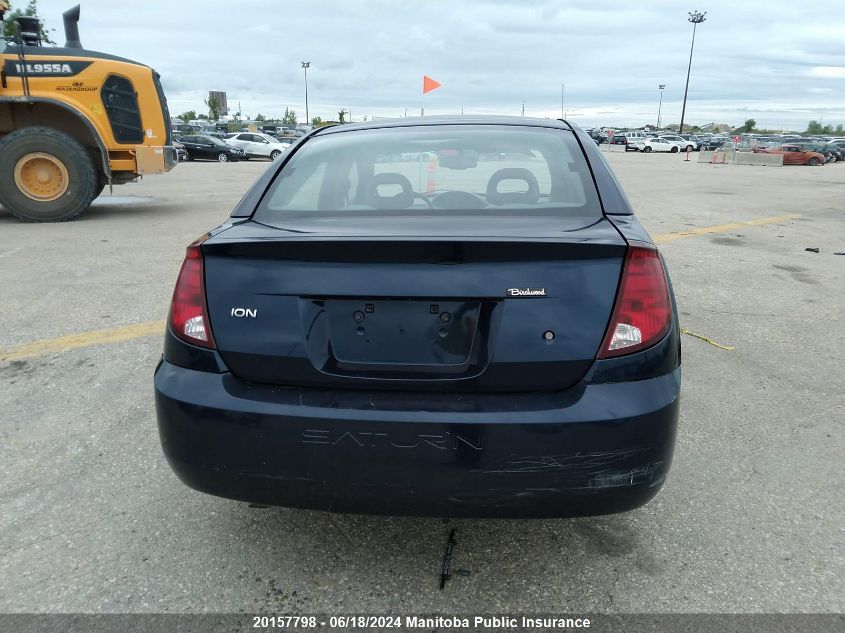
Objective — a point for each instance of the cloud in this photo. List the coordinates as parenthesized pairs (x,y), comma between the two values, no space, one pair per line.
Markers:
(778,61)
(828,72)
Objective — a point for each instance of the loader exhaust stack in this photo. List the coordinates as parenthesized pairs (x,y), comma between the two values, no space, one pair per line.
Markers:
(71,20)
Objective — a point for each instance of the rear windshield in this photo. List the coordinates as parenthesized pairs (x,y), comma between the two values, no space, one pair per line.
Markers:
(483,170)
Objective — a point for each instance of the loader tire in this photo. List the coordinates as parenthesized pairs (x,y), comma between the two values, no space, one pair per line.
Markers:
(45,175)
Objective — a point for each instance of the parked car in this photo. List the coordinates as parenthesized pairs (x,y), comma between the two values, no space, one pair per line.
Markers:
(256,145)
(618,139)
(838,152)
(426,157)
(716,142)
(633,139)
(181,153)
(182,128)
(685,143)
(288,137)
(760,141)
(693,142)
(537,374)
(838,145)
(598,136)
(657,144)
(201,146)
(831,153)
(795,155)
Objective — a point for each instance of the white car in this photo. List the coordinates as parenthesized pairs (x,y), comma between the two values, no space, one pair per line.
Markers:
(257,145)
(684,143)
(633,139)
(654,144)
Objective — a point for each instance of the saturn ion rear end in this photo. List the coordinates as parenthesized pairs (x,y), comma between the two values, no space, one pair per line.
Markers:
(441,317)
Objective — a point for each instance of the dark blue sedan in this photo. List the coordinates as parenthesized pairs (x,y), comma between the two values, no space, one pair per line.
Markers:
(439,316)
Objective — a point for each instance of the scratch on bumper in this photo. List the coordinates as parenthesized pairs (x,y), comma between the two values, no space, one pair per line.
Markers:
(583,462)
(588,470)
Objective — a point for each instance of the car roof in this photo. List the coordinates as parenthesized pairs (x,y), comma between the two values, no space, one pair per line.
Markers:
(447,120)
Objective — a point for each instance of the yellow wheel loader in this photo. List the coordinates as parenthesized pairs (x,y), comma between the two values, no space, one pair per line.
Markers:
(73,121)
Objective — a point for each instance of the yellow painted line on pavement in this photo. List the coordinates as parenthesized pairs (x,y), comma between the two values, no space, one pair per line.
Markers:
(156,328)
(706,339)
(722,228)
(85,339)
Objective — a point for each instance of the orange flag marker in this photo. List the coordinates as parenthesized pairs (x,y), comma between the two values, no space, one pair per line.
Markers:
(429,84)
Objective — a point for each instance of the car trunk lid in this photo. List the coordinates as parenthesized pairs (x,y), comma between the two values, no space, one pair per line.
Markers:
(377,308)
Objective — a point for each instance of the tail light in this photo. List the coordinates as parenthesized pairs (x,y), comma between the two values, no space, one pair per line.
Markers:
(189,310)
(643,311)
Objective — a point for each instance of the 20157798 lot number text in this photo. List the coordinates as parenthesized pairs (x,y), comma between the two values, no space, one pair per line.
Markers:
(285,622)
(334,622)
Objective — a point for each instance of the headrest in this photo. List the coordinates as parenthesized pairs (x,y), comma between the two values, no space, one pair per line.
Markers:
(401,200)
(496,197)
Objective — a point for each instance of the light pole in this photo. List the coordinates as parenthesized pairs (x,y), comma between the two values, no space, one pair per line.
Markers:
(305,66)
(562,110)
(696,17)
(660,105)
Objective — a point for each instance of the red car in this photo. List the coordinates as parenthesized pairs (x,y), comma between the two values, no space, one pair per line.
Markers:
(794,155)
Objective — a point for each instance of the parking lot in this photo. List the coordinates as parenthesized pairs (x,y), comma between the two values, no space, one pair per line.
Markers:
(750,520)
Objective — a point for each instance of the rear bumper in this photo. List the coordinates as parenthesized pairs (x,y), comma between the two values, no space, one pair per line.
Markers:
(155,159)
(594,449)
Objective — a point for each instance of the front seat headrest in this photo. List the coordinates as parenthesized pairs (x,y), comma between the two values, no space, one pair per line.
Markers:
(401,200)
(496,197)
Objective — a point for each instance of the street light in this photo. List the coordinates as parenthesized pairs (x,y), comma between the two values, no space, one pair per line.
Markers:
(696,17)
(660,105)
(305,66)
(562,109)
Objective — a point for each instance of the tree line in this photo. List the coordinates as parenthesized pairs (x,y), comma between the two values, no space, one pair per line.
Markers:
(289,118)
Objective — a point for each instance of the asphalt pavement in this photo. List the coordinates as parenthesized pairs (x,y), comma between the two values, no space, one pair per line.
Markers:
(750,520)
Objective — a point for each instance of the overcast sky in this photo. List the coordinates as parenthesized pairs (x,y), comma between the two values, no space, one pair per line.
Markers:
(781,62)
